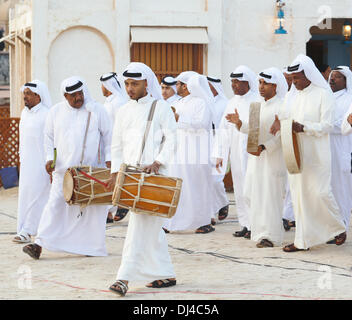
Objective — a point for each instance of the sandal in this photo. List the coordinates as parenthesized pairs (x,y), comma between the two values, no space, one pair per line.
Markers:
(286,224)
(223,213)
(205,229)
(213,222)
(265,243)
(292,248)
(119,287)
(241,233)
(33,250)
(247,235)
(120,214)
(161,283)
(340,239)
(165,230)
(21,238)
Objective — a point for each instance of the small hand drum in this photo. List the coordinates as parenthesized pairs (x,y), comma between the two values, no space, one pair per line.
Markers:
(83,191)
(143,193)
(290,147)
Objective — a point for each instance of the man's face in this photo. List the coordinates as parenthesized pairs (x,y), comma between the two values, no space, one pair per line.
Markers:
(288,78)
(181,88)
(30,98)
(213,90)
(300,80)
(76,99)
(106,92)
(337,81)
(239,88)
(267,90)
(136,89)
(167,91)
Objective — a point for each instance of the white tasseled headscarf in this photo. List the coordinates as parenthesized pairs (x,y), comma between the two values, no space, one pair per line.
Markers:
(115,84)
(170,81)
(306,64)
(41,89)
(140,71)
(185,76)
(344,70)
(216,83)
(275,76)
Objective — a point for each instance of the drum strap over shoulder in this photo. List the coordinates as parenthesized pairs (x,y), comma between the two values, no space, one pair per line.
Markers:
(147,129)
(85,138)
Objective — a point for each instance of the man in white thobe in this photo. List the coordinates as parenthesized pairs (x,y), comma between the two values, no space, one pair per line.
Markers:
(192,159)
(318,219)
(340,81)
(145,254)
(221,202)
(232,144)
(266,171)
(114,90)
(169,91)
(34,184)
(65,228)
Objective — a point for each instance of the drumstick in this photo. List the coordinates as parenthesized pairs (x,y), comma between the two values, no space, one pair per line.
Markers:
(55,156)
(92,178)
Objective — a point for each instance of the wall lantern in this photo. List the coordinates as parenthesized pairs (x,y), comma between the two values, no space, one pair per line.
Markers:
(346,30)
(280,17)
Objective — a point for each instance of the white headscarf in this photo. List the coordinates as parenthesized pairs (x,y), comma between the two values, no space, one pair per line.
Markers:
(75,84)
(170,81)
(41,89)
(275,76)
(112,82)
(243,73)
(198,86)
(344,70)
(185,76)
(216,83)
(140,71)
(306,64)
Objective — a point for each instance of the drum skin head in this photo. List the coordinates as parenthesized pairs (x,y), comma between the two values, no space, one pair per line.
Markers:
(68,186)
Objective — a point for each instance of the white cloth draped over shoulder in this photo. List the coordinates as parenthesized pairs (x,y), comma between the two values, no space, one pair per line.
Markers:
(34,184)
(145,254)
(65,228)
(317,214)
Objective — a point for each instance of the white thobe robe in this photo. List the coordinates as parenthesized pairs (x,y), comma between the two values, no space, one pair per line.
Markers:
(341,148)
(172,100)
(288,212)
(112,104)
(265,185)
(192,165)
(317,214)
(145,254)
(34,185)
(232,144)
(65,228)
(220,197)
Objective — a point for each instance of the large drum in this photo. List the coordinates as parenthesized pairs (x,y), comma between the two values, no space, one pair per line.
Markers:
(81,190)
(143,193)
(291,147)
